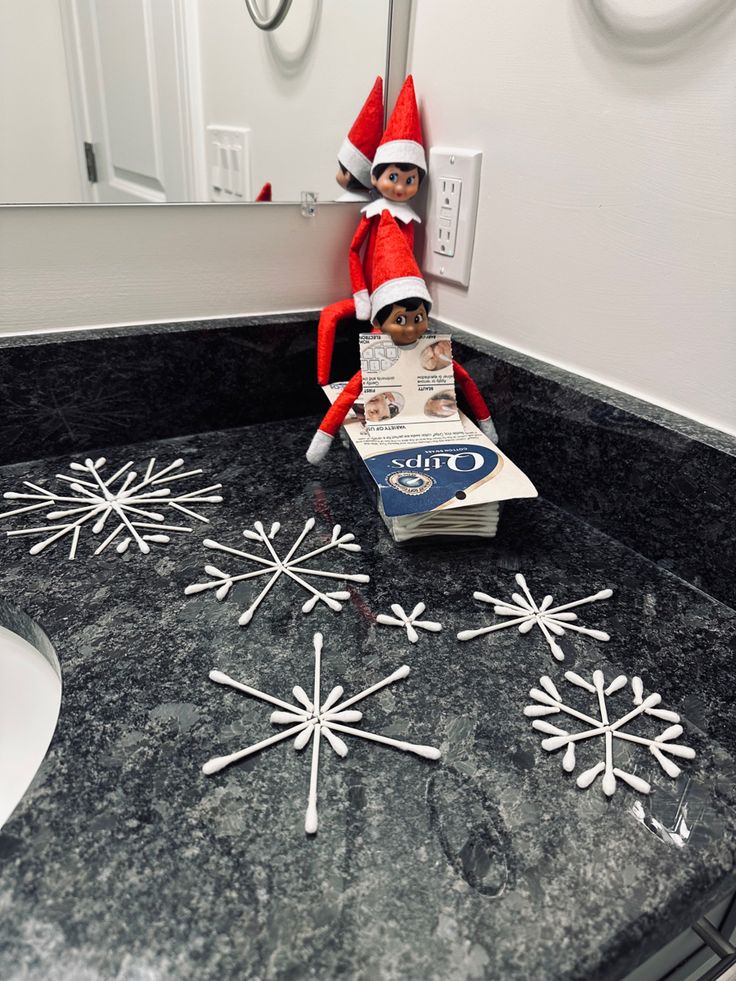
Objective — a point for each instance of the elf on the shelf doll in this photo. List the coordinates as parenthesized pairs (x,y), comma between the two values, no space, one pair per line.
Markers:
(399,307)
(399,165)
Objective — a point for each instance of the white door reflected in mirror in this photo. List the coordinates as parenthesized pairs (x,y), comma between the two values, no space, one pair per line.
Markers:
(30,699)
(113,101)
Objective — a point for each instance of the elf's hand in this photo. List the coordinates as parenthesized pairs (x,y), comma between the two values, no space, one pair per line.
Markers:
(362,305)
(319,447)
(488,429)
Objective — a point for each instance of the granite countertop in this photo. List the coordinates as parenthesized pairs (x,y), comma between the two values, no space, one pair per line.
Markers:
(125,862)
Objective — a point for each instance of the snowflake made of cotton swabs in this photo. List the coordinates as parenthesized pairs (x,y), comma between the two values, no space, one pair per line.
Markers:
(548,701)
(126,496)
(409,621)
(526,613)
(312,719)
(272,565)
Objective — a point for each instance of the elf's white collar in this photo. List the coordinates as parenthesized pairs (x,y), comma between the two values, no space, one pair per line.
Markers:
(399,209)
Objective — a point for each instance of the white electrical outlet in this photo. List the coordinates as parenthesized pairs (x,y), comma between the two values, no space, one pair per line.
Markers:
(454,185)
(448,210)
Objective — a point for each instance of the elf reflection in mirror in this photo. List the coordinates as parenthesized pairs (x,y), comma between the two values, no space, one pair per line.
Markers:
(350,183)
(355,156)
(400,304)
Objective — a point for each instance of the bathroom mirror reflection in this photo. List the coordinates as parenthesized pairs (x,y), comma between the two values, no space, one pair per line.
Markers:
(155,101)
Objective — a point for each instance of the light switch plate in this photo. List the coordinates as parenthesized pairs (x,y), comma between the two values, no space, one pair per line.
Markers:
(228,161)
(453,189)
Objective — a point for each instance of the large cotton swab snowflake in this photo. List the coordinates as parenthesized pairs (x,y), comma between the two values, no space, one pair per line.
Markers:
(290,565)
(313,719)
(549,702)
(125,495)
(525,613)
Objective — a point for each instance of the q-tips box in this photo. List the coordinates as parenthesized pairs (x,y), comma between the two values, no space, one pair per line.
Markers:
(434,471)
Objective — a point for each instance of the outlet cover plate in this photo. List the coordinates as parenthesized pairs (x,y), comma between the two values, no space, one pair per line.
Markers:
(448,163)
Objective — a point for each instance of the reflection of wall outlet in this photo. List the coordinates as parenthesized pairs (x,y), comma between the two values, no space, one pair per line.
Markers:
(228,161)
(454,185)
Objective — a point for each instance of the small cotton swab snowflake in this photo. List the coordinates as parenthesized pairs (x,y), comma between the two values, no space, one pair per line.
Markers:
(313,719)
(548,701)
(125,495)
(525,613)
(410,622)
(274,566)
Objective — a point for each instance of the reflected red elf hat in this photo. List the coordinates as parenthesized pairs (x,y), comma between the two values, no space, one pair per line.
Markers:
(357,150)
(402,142)
(396,275)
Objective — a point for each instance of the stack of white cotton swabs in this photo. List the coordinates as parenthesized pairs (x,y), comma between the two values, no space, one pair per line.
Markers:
(473,521)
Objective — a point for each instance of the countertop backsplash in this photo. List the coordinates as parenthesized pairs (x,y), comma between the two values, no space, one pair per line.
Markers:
(658,482)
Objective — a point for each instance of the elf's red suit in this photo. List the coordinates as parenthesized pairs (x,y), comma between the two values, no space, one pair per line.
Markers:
(401,143)
(396,278)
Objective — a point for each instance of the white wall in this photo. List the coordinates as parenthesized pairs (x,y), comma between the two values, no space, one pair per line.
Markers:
(297,89)
(606,237)
(37,153)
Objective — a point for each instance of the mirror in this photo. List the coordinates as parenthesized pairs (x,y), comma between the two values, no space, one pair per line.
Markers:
(156,101)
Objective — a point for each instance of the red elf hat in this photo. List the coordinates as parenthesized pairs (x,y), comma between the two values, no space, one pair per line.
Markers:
(357,150)
(265,193)
(402,142)
(396,275)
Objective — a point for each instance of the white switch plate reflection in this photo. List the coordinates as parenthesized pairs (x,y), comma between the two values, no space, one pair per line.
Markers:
(228,163)
(453,189)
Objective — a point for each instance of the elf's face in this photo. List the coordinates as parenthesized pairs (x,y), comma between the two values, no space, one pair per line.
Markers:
(406,326)
(397,185)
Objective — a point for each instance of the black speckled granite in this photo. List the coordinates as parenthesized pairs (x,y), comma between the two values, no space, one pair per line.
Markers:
(65,392)
(124,862)
(655,481)
(660,483)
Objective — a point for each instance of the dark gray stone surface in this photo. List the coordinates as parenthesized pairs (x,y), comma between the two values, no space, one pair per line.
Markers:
(655,481)
(65,393)
(125,862)
(627,405)
(661,484)
(64,336)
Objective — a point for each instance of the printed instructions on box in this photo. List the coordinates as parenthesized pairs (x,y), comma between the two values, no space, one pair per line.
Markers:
(426,466)
(408,388)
